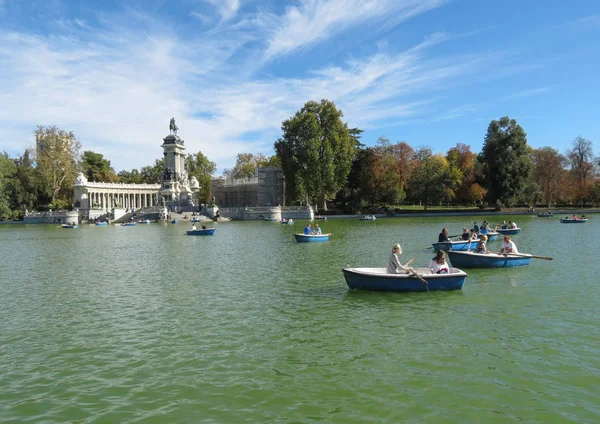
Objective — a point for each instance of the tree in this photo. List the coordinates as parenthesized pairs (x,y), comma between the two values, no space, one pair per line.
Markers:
(316,152)
(7,175)
(246,164)
(387,176)
(152,174)
(198,165)
(548,172)
(96,168)
(26,185)
(461,173)
(426,183)
(506,162)
(580,158)
(130,177)
(57,157)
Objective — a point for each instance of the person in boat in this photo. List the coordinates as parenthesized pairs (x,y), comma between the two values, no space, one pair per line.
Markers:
(307,230)
(566,217)
(465,235)
(582,217)
(443,236)
(438,264)
(394,265)
(476,227)
(484,227)
(473,234)
(574,218)
(508,246)
(193,227)
(317,230)
(512,225)
(203,227)
(481,248)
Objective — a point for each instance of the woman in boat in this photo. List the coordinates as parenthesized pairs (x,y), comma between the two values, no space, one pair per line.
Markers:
(394,265)
(193,227)
(512,225)
(481,248)
(508,246)
(473,235)
(443,236)
(438,264)
(582,217)
(465,235)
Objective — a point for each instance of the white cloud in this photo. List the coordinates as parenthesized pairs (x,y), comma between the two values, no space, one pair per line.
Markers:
(317,20)
(227,9)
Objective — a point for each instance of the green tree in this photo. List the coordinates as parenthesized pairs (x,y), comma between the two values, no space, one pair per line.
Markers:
(8,172)
(316,152)
(581,158)
(26,184)
(461,173)
(57,159)
(96,168)
(199,166)
(246,164)
(506,162)
(130,177)
(152,174)
(427,181)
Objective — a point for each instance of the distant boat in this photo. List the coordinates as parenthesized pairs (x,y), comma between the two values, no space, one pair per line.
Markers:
(144,221)
(573,221)
(508,231)
(174,221)
(128,224)
(367,218)
(201,232)
(287,221)
(311,237)
(320,218)
(69,226)
(195,220)
(487,260)
(491,234)
(455,245)
(378,279)
(101,224)
(545,215)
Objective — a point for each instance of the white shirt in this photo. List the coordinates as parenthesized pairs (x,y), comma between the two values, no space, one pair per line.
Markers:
(509,247)
(437,268)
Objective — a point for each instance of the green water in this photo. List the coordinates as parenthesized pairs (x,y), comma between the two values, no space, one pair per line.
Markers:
(143,324)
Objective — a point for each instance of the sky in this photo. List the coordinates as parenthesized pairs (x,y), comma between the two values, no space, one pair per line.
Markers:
(429,72)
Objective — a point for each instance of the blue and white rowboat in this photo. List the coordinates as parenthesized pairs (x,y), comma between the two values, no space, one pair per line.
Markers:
(128,224)
(508,231)
(455,245)
(573,221)
(491,234)
(367,218)
(311,237)
(204,232)
(488,260)
(101,224)
(378,279)
(68,226)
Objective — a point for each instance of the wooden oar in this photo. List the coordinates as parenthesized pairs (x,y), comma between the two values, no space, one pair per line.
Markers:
(548,258)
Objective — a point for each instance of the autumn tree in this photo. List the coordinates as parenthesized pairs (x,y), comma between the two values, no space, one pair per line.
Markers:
(57,158)
(548,172)
(461,175)
(197,165)
(506,162)
(316,152)
(580,160)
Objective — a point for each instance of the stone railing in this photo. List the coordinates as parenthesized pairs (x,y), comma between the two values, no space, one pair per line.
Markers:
(123,186)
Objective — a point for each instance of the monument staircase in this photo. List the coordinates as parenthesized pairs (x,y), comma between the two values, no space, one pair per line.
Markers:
(151,213)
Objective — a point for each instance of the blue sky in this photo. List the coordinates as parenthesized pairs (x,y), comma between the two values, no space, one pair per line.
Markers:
(429,72)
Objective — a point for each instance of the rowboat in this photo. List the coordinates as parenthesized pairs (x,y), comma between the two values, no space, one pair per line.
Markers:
(545,215)
(378,279)
(69,226)
(320,218)
(287,221)
(101,224)
(508,231)
(573,221)
(195,220)
(491,234)
(311,237)
(455,245)
(201,232)
(174,221)
(144,221)
(488,260)
(367,218)
(128,224)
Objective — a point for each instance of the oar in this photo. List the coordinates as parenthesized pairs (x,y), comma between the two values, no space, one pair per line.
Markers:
(548,258)
(413,272)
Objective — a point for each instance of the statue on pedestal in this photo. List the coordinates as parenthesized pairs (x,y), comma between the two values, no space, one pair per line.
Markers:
(173,127)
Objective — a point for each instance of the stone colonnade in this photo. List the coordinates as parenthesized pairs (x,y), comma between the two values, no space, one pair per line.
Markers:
(106,196)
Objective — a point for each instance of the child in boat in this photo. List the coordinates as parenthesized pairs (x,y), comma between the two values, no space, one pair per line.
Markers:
(438,264)
(481,248)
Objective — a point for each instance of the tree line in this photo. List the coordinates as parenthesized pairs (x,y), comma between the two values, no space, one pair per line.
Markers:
(324,161)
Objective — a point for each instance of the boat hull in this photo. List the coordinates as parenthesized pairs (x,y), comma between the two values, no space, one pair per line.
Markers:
(205,232)
(486,260)
(455,245)
(377,279)
(320,218)
(491,235)
(129,224)
(101,224)
(367,219)
(69,226)
(308,238)
(509,231)
(287,222)
(545,215)
(573,221)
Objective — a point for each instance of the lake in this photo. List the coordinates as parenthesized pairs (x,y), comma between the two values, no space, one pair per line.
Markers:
(145,324)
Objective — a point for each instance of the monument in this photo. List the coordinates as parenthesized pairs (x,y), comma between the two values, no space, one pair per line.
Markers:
(176,189)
